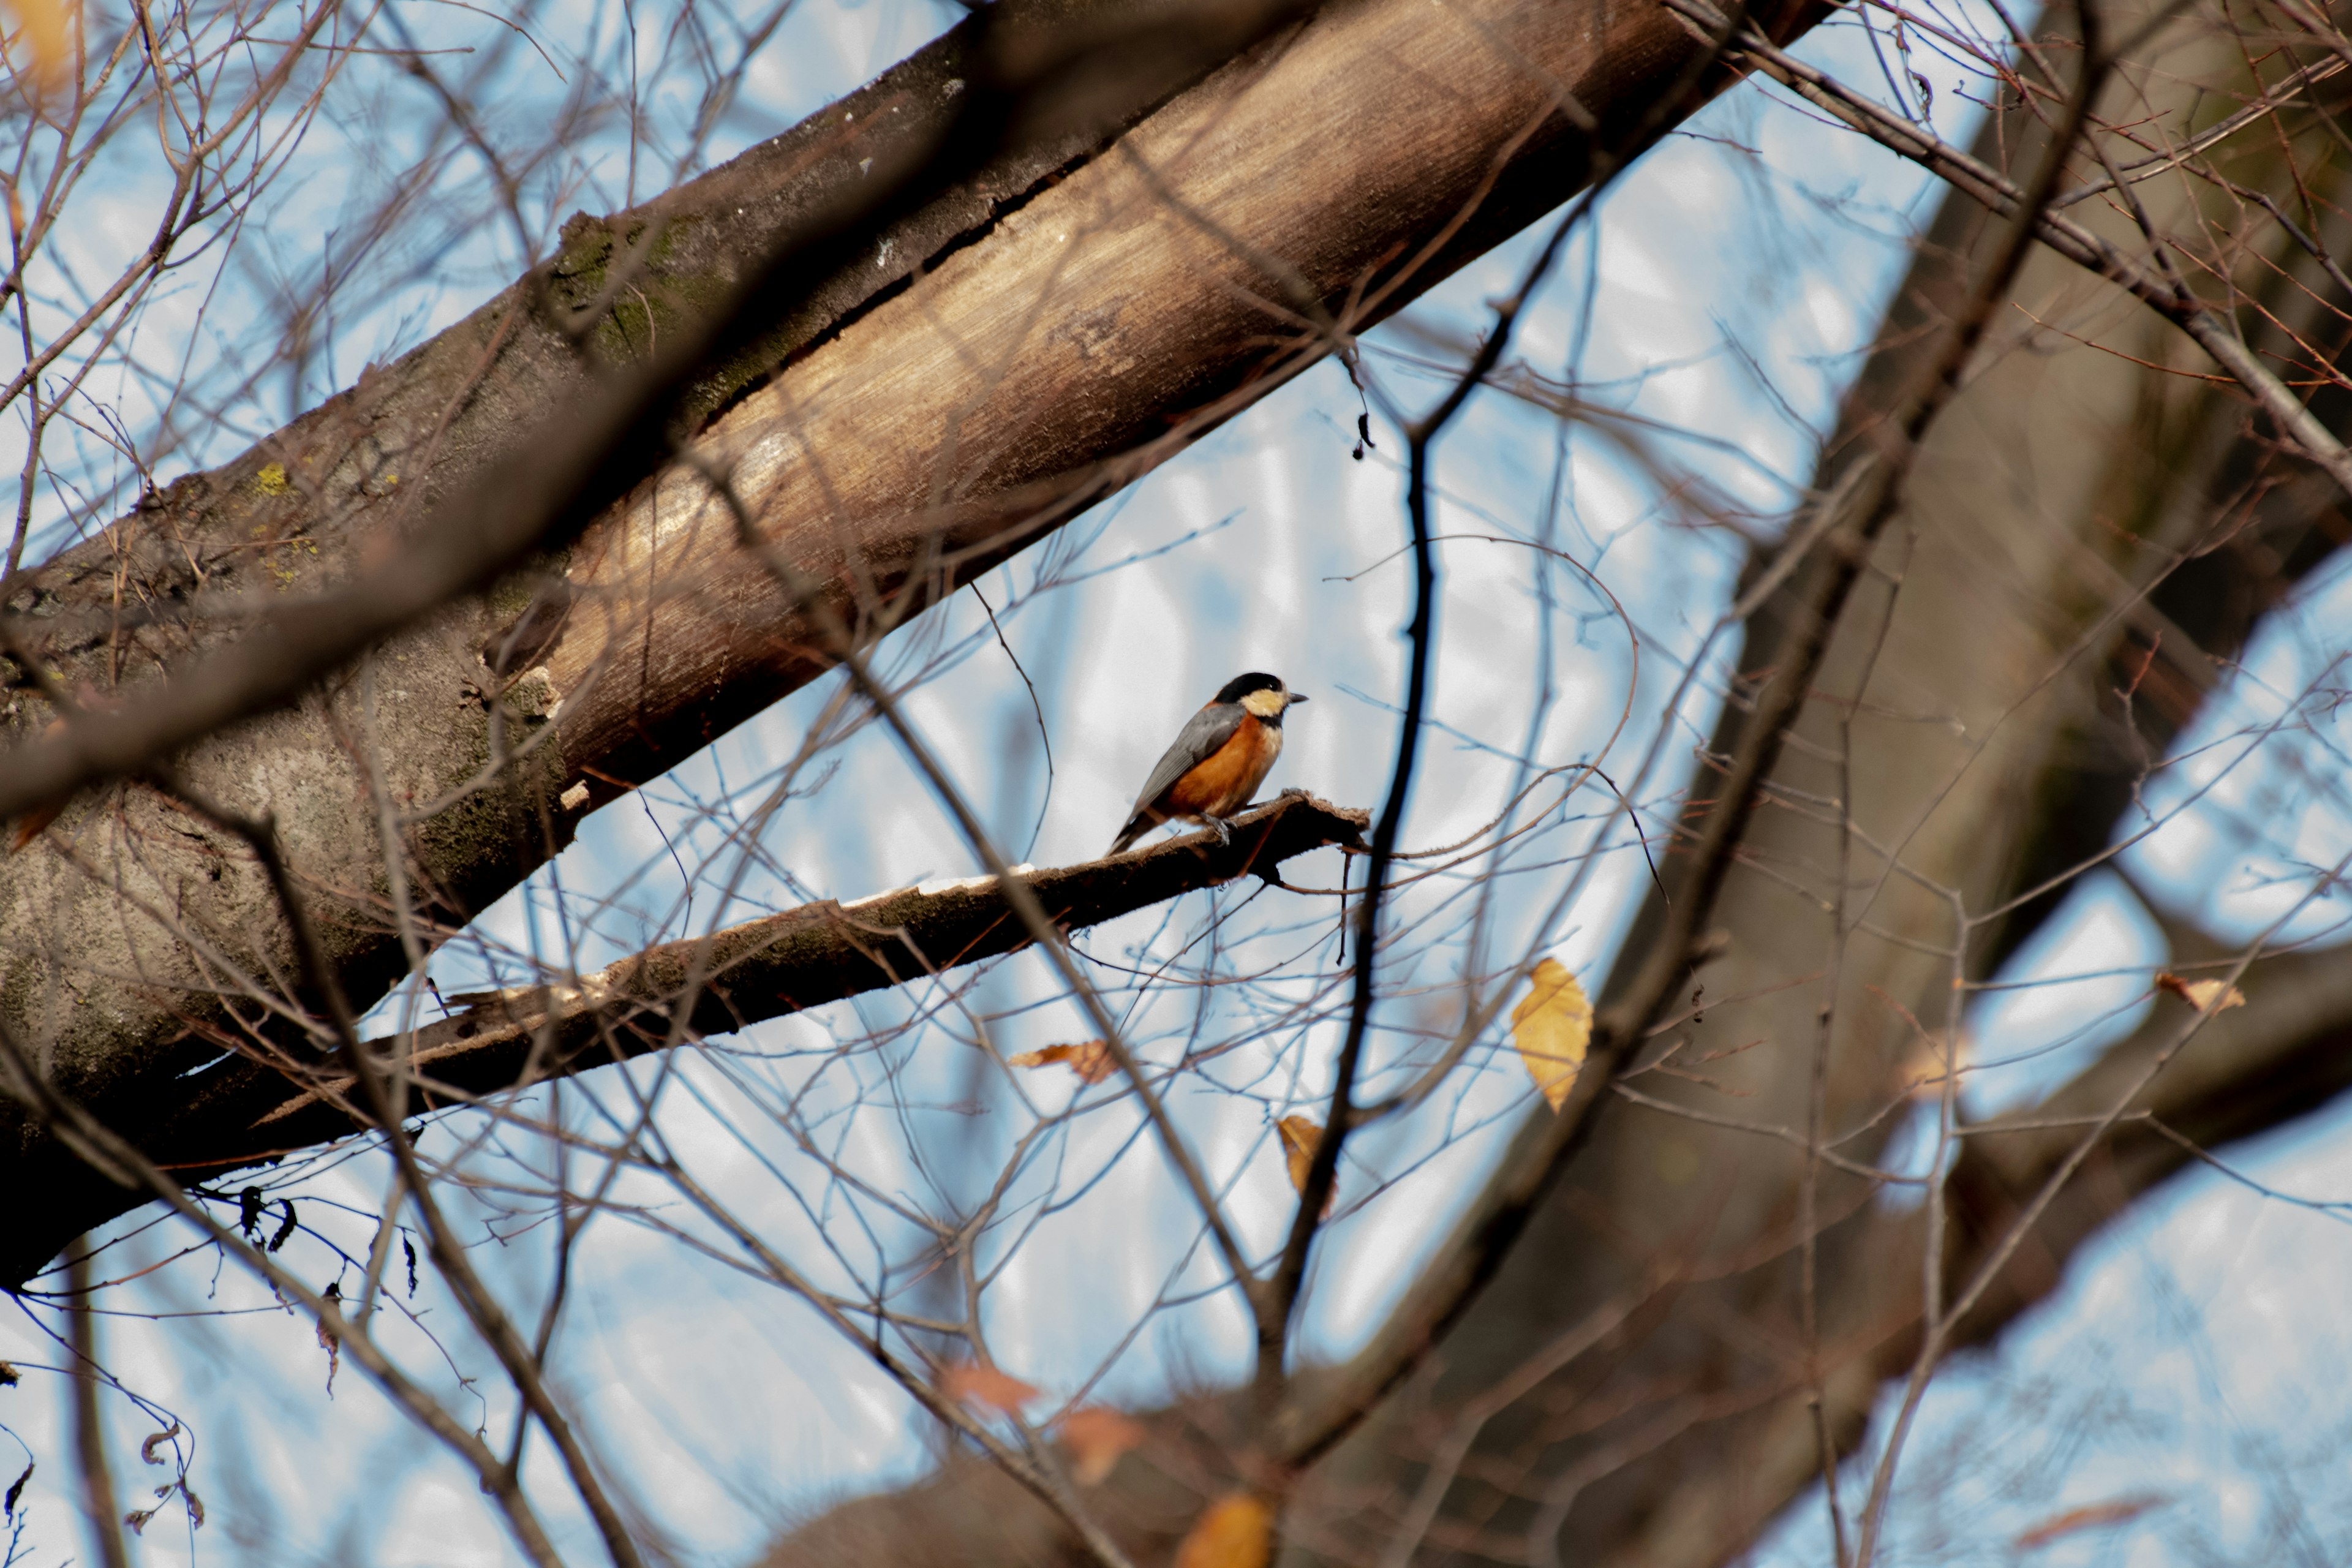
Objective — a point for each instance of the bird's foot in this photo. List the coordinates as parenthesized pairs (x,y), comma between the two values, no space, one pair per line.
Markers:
(1224,830)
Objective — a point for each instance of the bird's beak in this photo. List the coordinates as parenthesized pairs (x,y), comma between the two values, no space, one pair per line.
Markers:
(1295,696)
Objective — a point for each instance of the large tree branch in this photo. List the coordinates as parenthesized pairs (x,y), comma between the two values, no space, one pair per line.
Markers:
(1032,85)
(256,1107)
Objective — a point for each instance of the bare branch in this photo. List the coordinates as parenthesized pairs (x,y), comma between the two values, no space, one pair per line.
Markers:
(762,969)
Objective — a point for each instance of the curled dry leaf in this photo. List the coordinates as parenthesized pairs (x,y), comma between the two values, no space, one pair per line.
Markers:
(1551,1028)
(1090,1059)
(1234,1531)
(331,1338)
(2205,995)
(285,1232)
(1096,1435)
(155,1440)
(970,1383)
(1301,1136)
(2090,1517)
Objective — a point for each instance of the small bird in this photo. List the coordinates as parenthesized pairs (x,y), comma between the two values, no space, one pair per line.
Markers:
(1218,761)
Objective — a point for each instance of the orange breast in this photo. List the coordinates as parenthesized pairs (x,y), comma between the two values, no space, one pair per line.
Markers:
(1222,783)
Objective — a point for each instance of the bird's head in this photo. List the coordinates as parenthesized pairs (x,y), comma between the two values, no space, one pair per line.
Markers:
(1264,695)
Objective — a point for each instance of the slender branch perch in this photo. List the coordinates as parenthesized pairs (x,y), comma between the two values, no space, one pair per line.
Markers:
(762,969)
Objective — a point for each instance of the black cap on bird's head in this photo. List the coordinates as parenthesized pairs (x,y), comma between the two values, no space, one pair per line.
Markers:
(1240,686)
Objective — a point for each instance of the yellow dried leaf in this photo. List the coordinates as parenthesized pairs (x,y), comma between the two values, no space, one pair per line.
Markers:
(41,23)
(1234,1531)
(1551,1028)
(1090,1059)
(1300,1135)
(970,1383)
(1097,1435)
(2205,995)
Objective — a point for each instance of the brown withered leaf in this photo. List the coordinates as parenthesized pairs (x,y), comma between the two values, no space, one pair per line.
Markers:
(155,1440)
(969,1382)
(2091,1516)
(1090,1059)
(2205,995)
(1301,1135)
(1096,1435)
(331,1339)
(1234,1531)
(1552,1026)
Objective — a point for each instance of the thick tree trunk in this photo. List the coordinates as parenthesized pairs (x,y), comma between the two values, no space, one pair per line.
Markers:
(1040,337)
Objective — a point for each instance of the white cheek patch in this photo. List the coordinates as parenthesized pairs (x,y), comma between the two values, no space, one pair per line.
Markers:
(1265,704)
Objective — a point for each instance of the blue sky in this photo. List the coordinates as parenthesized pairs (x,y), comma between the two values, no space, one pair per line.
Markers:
(1724,289)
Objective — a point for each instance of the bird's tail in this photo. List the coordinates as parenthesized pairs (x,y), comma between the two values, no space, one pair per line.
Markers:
(1137,827)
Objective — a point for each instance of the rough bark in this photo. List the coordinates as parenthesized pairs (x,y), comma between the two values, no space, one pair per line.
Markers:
(1035,339)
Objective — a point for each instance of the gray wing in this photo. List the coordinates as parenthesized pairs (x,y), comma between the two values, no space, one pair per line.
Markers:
(1207,730)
